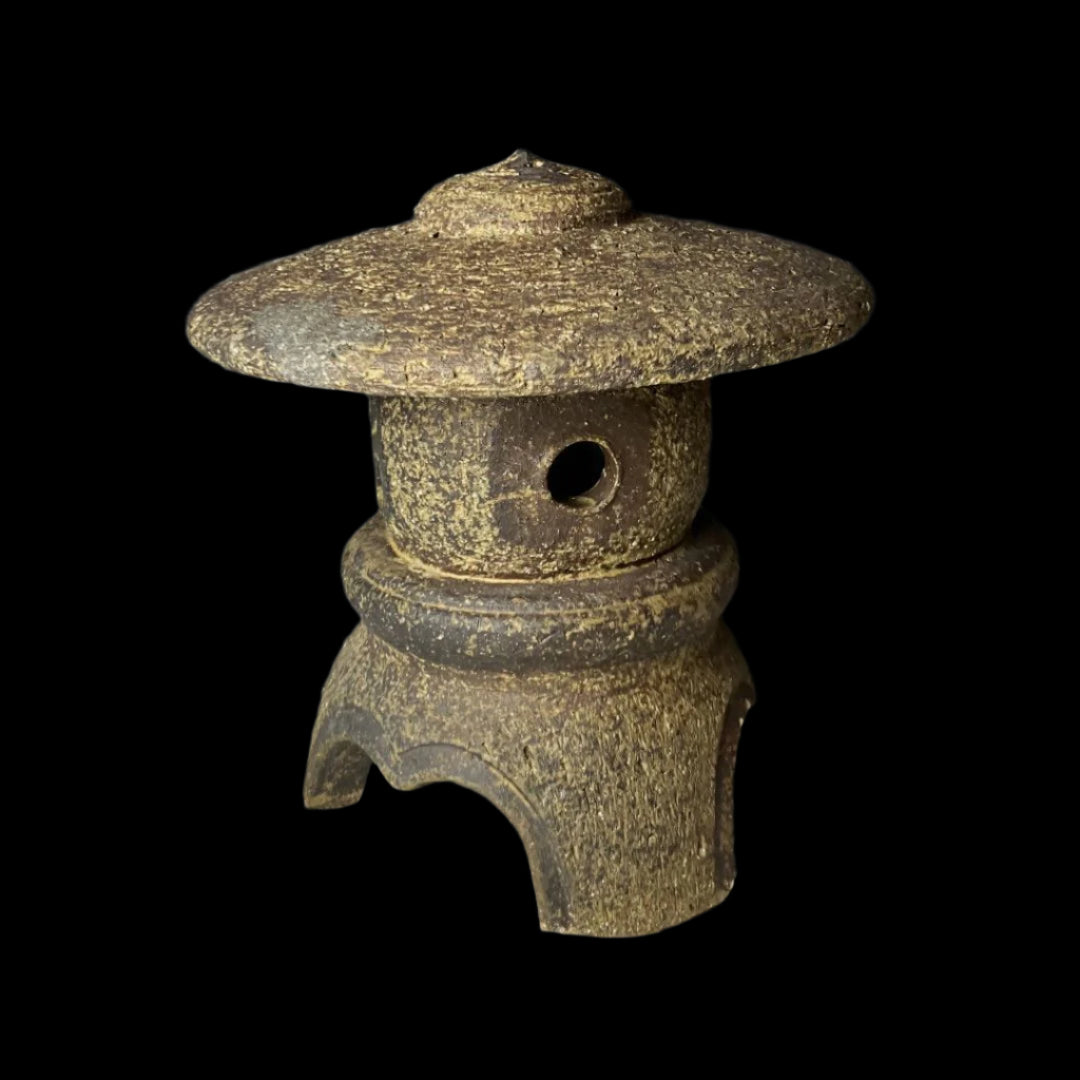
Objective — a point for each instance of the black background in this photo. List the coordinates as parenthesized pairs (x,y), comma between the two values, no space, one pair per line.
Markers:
(815,469)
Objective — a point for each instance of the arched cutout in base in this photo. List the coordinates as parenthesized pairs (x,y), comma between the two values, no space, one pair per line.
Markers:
(348,740)
(724,839)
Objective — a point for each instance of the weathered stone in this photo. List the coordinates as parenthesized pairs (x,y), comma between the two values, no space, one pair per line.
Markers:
(529,278)
(540,598)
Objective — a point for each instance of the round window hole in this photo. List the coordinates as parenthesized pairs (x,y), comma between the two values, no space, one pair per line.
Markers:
(582,475)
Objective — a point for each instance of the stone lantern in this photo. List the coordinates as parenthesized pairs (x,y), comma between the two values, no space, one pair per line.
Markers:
(540,599)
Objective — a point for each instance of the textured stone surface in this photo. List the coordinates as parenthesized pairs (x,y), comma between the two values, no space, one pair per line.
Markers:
(555,623)
(617,778)
(463,483)
(600,714)
(559,649)
(529,278)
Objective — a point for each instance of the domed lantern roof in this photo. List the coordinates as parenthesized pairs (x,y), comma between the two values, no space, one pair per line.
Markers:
(529,278)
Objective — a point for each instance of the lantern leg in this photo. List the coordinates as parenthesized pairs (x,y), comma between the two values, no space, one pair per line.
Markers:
(337,765)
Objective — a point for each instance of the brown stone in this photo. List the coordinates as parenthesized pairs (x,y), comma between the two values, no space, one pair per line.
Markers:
(540,598)
(529,278)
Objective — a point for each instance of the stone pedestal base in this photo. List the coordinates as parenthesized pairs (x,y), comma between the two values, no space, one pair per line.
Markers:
(617,775)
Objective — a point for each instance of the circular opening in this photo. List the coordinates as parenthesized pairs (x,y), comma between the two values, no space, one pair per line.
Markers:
(581,476)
